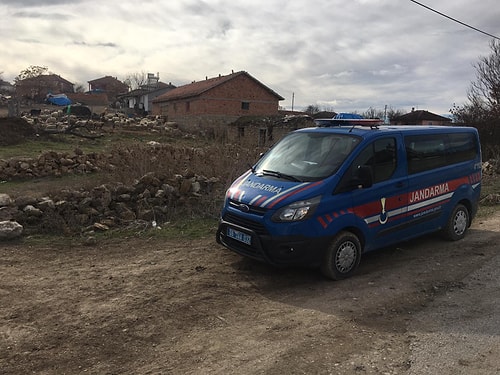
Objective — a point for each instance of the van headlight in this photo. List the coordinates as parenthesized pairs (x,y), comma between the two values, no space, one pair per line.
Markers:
(296,211)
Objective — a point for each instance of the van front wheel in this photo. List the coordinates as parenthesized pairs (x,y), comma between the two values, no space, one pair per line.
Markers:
(342,256)
(457,223)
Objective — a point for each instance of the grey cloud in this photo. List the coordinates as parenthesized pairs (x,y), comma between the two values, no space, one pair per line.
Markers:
(38,3)
(101,44)
(47,16)
(199,8)
(220,29)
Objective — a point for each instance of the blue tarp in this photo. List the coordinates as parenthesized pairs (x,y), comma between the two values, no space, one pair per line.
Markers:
(60,99)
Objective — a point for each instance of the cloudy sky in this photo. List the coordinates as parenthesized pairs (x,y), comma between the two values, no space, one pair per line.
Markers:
(340,55)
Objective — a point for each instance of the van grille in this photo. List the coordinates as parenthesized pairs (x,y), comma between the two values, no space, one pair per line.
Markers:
(246,223)
(252,209)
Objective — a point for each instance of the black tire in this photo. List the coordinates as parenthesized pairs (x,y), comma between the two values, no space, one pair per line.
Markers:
(458,223)
(342,256)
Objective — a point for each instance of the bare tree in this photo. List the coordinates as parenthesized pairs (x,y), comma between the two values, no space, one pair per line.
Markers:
(136,80)
(484,93)
(483,107)
(394,113)
(31,72)
(390,112)
(79,87)
(311,109)
(373,113)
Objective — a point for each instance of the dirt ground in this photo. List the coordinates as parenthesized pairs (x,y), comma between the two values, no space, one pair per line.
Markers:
(145,306)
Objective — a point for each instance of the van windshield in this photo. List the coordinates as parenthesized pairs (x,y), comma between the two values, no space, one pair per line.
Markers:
(304,156)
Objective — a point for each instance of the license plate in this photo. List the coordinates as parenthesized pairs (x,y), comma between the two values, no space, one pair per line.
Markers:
(239,236)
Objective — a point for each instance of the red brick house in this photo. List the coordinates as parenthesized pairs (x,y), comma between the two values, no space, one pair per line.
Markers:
(36,89)
(220,99)
(111,86)
(421,117)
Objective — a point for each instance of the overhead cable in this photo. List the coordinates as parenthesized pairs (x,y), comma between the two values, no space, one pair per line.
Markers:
(455,20)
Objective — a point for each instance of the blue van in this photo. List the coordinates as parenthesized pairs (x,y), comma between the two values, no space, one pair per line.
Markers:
(324,196)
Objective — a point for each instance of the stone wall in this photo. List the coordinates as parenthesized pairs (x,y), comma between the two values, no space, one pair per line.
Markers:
(52,163)
(151,200)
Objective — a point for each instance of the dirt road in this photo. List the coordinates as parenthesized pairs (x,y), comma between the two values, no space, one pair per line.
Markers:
(153,307)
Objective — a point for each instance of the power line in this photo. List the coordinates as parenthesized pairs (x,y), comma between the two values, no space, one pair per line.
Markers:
(455,20)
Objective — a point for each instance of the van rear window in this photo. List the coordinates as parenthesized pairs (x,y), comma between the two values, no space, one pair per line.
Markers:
(426,152)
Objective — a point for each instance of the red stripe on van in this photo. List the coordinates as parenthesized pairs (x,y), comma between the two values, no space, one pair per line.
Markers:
(260,201)
(322,222)
(293,193)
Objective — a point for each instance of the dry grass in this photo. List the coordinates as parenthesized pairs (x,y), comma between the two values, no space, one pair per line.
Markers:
(212,153)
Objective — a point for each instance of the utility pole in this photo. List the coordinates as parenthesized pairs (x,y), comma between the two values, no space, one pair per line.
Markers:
(293,99)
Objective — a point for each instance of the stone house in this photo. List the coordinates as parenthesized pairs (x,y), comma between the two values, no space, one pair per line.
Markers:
(421,117)
(140,101)
(217,100)
(36,89)
(111,86)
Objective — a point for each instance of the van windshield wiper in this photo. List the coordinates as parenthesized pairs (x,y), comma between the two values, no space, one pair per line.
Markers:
(268,172)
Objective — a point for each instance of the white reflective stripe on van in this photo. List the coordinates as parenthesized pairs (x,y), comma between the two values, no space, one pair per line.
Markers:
(392,213)
(428,202)
(255,199)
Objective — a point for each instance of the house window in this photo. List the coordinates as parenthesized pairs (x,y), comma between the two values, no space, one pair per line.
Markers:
(245,105)
(188,106)
(241,132)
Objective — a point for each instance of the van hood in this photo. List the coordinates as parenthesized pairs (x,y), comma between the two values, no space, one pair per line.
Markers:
(266,192)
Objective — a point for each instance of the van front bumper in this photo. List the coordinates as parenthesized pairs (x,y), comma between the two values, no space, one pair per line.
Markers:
(274,250)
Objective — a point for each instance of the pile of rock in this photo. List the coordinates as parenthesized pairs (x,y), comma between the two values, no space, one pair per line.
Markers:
(151,199)
(49,119)
(52,163)
(8,229)
(491,167)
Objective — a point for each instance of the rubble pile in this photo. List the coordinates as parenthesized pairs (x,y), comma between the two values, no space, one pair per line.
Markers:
(491,167)
(51,163)
(46,119)
(490,170)
(151,200)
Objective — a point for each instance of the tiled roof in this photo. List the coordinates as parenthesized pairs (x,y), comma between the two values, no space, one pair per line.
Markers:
(143,91)
(105,79)
(46,78)
(420,115)
(198,88)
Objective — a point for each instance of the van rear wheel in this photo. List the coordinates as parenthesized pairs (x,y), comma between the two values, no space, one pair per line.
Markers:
(342,256)
(458,223)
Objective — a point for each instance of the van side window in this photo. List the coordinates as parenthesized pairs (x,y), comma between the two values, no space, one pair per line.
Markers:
(380,156)
(426,152)
(384,161)
(462,147)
